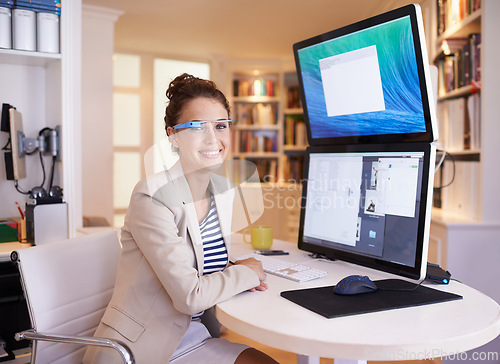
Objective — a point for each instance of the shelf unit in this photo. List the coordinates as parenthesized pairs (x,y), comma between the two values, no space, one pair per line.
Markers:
(285,160)
(464,232)
(46,89)
(294,131)
(456,52)
(256,105)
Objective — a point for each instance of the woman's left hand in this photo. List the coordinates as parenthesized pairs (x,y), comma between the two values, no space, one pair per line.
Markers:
(261,287)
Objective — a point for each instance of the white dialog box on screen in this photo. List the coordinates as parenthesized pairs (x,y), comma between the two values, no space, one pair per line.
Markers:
(352,83)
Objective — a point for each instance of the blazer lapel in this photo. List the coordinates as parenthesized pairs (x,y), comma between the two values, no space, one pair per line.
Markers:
(181,185)
(223,202)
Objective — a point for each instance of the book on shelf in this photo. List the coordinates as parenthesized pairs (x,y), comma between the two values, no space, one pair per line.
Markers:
(295,131)
(39,6)
(258,141)
(293,99)
(254,87)
(293,169)
(460,123)
(256,114)
(452,12)
(462,66)
(267,169)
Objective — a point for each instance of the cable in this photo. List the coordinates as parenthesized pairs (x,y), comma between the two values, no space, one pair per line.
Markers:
(453,175)
(442,157)
(16,184)
(403,289)
(7,145)
(52,172)
(43,169)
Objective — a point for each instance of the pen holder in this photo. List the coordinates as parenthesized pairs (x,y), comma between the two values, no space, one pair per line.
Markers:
(21,231)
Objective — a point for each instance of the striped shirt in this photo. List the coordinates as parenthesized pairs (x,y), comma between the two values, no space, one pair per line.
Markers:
(214,250)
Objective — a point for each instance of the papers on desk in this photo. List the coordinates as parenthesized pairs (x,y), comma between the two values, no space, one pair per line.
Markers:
(8,230)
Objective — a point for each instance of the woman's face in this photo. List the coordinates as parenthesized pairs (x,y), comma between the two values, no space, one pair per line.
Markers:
(205,147)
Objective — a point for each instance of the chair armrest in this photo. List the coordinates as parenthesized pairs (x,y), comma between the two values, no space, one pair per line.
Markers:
(120,347)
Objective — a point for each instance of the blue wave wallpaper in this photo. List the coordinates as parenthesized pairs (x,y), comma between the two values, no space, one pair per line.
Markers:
(398,71)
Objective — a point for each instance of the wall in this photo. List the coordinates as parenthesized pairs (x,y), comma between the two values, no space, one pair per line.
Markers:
(25,97)
(97,115)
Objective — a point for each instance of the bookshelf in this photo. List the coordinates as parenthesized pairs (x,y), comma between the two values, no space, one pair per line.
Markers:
(294,131)
(46,89)
(269,131)
(256,105)
(464,231)
(457,45)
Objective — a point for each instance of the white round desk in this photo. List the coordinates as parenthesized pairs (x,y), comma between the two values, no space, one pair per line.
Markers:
(414,333)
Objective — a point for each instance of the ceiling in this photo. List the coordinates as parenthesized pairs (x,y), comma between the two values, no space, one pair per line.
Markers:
(200,29)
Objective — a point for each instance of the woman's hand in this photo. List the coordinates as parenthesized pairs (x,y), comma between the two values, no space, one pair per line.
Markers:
(256,266)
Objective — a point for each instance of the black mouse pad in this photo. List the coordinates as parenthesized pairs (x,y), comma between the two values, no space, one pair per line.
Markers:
(323,301)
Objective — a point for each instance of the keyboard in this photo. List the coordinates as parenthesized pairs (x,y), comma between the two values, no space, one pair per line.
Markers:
(282,268)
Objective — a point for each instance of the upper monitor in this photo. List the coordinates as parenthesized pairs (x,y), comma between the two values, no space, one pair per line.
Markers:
(368,82)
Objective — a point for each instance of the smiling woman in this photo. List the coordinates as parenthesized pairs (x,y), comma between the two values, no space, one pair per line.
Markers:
(175,257)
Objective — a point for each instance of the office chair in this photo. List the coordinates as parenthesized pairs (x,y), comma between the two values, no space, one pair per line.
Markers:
(68,285)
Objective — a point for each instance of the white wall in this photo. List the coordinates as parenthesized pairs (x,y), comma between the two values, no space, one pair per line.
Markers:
(28,96)
(97,110)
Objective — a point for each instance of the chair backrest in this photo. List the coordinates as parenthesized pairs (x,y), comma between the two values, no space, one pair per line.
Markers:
(68,285)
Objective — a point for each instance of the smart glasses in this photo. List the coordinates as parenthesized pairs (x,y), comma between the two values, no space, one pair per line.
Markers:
(201,125)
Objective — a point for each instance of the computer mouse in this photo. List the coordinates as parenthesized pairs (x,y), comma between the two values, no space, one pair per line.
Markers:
(354,285)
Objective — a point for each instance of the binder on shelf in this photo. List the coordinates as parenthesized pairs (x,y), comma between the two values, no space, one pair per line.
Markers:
(24,29)
(474,118)
(6,3)
(47,33)
(5,27)
(39,6)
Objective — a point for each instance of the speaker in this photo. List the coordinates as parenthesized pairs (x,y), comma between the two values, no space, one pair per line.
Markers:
(46,223)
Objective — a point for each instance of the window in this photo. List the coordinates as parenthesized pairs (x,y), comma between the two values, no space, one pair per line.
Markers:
(140,146)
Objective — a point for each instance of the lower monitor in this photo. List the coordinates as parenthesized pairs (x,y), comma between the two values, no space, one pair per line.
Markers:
(370,205)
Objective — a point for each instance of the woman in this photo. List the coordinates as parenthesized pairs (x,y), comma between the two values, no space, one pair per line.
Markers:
(174,265)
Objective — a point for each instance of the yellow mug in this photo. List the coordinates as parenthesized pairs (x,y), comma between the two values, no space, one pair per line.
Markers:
(261,237)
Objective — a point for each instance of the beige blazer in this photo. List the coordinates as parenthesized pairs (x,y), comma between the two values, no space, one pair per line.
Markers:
(159,283)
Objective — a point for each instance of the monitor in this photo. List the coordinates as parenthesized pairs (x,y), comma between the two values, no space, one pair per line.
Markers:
(369,204)
(368,82)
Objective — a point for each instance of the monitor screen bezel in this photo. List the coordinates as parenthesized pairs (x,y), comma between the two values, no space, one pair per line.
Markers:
(414,12)
(416,272)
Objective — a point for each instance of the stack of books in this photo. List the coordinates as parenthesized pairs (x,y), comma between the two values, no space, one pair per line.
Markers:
(452,12)
(460,64)
(30,25)
(38,6)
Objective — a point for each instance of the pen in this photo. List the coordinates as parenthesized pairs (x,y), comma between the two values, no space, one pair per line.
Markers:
(20,211)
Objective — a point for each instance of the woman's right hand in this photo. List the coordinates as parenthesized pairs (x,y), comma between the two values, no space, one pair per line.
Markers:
(256,266)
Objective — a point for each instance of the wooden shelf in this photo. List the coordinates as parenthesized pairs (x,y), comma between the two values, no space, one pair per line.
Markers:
(470,24)
(464,155)
(27,58)
(294,149)
(257,127)
(256,155)
(459,92)
(256,99)
(294,111)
